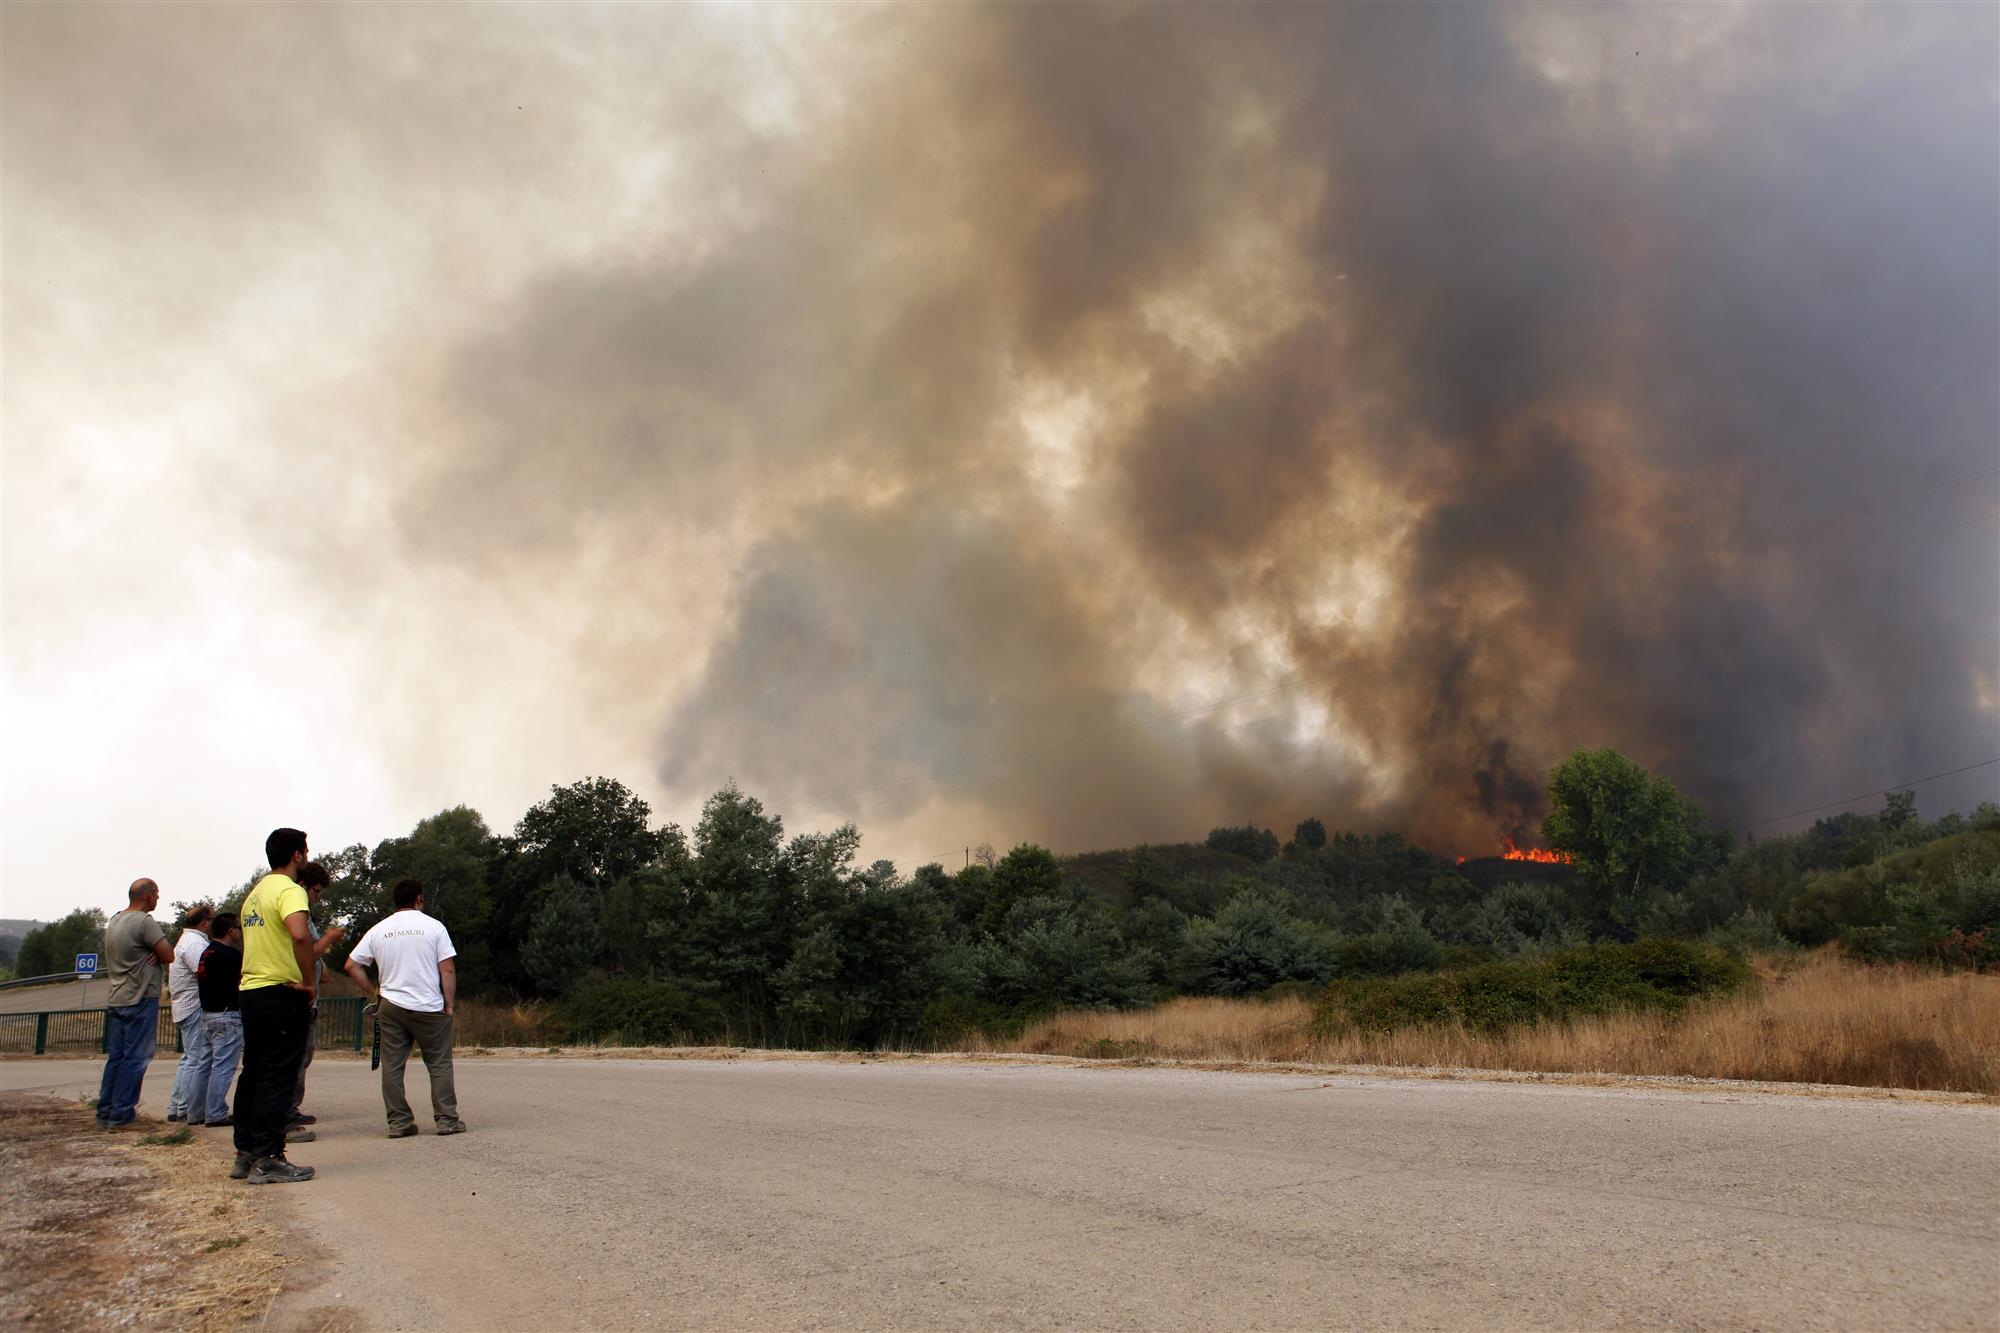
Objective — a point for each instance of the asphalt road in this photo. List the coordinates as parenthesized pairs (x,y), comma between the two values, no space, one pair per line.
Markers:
(607,1194)
(60,995)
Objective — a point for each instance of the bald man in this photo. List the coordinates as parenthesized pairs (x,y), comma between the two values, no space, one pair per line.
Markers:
(135,951)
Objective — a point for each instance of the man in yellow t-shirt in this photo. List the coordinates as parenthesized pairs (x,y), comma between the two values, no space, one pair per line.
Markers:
(277,995)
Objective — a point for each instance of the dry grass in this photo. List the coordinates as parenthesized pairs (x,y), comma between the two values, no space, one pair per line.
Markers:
(104,1231)
(1815,1020)
(484,1023)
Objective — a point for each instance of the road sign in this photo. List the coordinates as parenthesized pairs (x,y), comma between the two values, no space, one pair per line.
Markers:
(86,964)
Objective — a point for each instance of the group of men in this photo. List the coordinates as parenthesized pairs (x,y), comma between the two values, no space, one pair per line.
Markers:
(246,984)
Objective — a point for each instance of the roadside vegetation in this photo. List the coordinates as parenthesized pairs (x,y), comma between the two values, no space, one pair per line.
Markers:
(1803,1018)
(586,923)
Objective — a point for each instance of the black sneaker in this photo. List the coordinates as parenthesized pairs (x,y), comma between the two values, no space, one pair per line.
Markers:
(454,1127)
(406,1132)
(218,1124)
(175,1117)
(244,1161)
(298,1120)
(299,1136)
(278,1171)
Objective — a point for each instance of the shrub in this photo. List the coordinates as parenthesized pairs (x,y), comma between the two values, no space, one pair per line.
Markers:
(1399,944)
(1602,978)
(638,1012)
(1252,944)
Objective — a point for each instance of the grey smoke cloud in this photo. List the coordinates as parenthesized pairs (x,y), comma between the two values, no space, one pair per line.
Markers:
(910,411)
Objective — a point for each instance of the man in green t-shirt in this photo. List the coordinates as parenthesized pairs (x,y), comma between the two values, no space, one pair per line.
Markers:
(134,951)
(277,994)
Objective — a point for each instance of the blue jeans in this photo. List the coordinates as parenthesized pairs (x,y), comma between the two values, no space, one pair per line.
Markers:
(130,1031)
(225,1048)
(191,1076)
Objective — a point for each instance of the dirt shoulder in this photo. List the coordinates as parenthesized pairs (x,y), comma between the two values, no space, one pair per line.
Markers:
(111,1231)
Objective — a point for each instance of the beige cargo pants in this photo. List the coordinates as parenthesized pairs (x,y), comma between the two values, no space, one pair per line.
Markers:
(431,1034)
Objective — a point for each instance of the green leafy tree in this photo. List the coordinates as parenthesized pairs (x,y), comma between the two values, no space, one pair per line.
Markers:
(1259,844)
(47,950)
(564,941)
(744,911)
(1310,835)
(1145,877)
(594,833)
(1628,830)
(450,852)
(1061,953)
(1026,872)
(354,898)
(1253,943)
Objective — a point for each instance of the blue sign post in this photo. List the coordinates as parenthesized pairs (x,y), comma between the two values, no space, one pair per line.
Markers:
(86,968)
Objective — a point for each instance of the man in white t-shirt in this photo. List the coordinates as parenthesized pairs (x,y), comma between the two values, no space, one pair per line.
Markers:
(412,954)
(189,1101)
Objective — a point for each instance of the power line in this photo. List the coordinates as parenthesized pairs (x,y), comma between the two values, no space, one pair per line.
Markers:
(1879,791)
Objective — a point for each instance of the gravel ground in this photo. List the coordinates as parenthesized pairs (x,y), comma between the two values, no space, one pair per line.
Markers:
(596,1193)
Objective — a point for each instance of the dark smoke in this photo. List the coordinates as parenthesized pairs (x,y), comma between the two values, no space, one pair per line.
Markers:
(1471,383)
(1572,373)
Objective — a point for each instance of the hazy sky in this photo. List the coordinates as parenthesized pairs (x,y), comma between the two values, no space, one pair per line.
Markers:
(928,415)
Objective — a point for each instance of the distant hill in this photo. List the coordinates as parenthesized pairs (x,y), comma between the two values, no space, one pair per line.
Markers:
(19,928)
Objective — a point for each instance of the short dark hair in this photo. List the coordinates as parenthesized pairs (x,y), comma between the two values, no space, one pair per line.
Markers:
(282,846)
(196,915)
(312,875)
(406,892)
(224,923)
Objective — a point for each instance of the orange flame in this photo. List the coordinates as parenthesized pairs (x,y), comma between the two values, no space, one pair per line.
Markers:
(1514,853)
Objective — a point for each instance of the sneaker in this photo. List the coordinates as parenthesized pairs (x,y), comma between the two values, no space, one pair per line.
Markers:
(406,1132)
(278,1171)
(298,1120)
(244,1161)
(218,1124)
(300,1136)
(455,1127)
(175,1118)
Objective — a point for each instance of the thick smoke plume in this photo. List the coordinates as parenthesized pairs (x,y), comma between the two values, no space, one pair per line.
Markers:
(970,396)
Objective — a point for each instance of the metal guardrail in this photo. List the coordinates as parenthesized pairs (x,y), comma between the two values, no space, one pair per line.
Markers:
(50,979)
(83,1031)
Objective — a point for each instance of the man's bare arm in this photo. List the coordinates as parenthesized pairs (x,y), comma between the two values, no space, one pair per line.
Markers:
(448,978)
(359,974)
(163,952)
(333,936)
(302,951)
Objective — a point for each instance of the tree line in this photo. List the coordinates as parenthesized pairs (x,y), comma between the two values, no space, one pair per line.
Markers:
(733,929)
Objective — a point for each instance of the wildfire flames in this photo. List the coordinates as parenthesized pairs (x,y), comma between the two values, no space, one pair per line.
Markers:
(1514,853)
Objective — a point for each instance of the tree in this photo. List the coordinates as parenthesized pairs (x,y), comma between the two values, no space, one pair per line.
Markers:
(1628,830)
(564,941)
(47,950)
(1061,953)
(1026,872)
(1310,835)
(449,852)
(1259,844)
(594,832)
(1145,877)
(1252,944)
(744,913)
